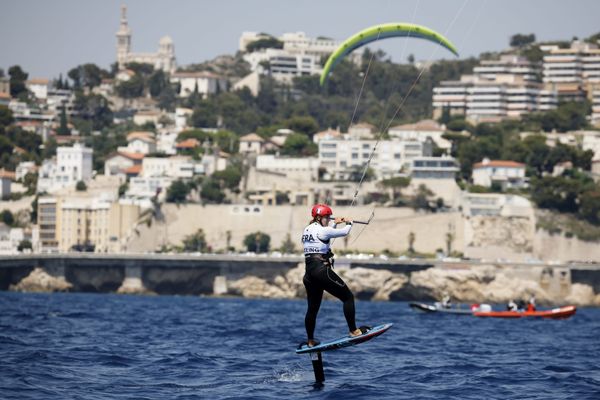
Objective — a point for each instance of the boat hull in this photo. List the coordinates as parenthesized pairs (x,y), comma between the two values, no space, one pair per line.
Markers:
(555,313)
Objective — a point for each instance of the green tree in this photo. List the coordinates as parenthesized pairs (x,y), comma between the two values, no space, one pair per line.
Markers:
(395,186)
(81,186)
(257,242)
(298,144)
(63,129)
(17,80)
(6,116)
(204,115)
(411,242)
(7,217)
(264,43)
(87,75)
(520,40)
(288,246)
(94,108)
(23,245)
(30,182)
(177,192)
(230,177)
(132,88)
(195,242)
(211,191)
(589,206)
(305,125)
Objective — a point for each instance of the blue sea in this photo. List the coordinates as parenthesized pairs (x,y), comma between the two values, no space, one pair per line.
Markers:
(100,346)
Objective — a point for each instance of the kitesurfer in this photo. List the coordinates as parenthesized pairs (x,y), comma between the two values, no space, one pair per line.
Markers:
(319,273)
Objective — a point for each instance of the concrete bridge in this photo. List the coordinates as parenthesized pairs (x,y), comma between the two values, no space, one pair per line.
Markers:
(207,274)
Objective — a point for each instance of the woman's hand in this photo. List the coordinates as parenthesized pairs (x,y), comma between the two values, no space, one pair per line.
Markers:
(339,220)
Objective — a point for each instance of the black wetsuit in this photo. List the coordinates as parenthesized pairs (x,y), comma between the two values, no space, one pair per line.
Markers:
(319,276)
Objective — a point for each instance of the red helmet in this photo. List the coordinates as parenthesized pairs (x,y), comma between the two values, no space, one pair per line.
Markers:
(321,210)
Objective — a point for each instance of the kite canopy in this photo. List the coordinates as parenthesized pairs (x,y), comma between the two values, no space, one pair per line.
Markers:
(379,32)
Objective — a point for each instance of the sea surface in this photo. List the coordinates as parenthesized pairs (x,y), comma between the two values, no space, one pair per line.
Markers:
(100,346)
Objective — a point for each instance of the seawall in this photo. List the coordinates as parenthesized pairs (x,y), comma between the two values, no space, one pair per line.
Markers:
(281,277)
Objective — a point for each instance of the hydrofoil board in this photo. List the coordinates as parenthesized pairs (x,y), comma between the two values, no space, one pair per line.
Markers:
(344,341)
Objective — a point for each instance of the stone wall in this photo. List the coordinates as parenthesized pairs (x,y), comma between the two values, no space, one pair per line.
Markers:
(480,237)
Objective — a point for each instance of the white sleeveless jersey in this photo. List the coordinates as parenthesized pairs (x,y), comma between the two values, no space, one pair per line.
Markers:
(315,237)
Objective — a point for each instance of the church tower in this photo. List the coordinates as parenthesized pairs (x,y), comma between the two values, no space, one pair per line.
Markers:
(123,39)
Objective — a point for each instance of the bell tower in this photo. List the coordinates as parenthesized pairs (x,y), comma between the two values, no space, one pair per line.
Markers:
(123,39)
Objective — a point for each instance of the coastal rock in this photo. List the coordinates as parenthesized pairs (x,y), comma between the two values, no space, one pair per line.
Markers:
(486,283)
(40,281)
(254,287)
(372,284)
(582,295)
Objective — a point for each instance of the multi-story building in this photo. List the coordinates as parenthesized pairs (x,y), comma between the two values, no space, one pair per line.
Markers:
(420,131)
(47,224)
(508,64)
(203,82)
(39,87)
(574,71)
(139,142)
(293,167)
(71,165)
(508,174)
(5,85)
(596,107)
(84,223)
(498,89)
(434,168)
(57,99)
(283,65)
(175,167)
(342,158)
(294,43)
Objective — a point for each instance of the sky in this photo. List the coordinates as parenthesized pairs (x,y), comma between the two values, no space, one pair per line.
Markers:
(50,37)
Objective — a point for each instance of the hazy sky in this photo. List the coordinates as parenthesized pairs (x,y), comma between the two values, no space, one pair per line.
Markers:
(50,37)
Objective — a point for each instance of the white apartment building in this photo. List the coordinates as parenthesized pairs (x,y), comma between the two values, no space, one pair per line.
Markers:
(572,72)
(492,204)
(39,87)
(119,162)
(509,174)
(175,167)
(205,82)
(497,89)
(341,158)
(10,238)
(71,165)
(148,187)
(590,140)
(420,131)
(24,168)
(292,167)
(251,143)
(596,107)
(508,64)
(283,65)
(58,98)
(434,168)
(139,142)
(294,42)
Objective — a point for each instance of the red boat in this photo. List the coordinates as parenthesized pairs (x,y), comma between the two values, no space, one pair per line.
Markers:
(555,313)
